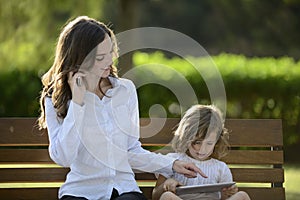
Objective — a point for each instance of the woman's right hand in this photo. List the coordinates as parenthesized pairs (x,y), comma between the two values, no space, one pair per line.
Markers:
(78,86)
(189,170)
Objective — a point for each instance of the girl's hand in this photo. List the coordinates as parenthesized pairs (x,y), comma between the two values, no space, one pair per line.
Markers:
(229,191)
(170,185)
(78,86)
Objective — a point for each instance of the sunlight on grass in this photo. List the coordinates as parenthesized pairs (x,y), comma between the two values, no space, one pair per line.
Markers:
(292,179)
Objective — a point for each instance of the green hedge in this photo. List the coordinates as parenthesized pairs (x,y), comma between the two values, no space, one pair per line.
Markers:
(20,90)
(255,88)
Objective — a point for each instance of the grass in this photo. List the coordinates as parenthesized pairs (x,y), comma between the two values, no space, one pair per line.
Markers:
(292,180)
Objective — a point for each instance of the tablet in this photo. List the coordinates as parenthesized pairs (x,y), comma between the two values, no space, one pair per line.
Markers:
(202,188)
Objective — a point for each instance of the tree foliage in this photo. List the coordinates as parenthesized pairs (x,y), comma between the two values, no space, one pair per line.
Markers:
(29,29)
(252,27)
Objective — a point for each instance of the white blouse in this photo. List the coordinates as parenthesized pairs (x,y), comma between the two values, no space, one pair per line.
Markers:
(99,141)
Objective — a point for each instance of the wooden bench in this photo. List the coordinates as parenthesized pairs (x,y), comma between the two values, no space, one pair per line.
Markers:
(27,172)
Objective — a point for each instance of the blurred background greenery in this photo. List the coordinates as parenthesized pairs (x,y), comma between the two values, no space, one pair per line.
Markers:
(255,45)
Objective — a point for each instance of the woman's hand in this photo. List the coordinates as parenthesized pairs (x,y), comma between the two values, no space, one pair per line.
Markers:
(229,191)
(189,170)
(78,86)
(80,82)
(170,185)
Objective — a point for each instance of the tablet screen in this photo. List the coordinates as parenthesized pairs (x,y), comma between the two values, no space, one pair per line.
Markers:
(202,188)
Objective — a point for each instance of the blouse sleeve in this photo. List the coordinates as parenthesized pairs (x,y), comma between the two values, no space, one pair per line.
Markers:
(64,133)
(140,158)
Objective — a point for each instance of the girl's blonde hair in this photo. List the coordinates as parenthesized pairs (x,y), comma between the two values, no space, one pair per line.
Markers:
(78,40)
(196,123)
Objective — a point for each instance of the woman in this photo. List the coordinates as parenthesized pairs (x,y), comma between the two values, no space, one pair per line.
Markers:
(92,118)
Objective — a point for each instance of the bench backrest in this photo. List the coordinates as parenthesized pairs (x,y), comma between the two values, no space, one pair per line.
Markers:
(255,159)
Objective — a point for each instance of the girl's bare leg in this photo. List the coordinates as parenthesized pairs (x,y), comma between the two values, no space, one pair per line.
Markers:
(241,195)
(169,196)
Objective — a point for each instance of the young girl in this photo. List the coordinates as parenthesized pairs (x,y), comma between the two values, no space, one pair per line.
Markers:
(200,138)
(92,119)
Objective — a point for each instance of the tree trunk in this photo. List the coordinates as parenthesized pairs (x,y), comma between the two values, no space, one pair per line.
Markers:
(128,18)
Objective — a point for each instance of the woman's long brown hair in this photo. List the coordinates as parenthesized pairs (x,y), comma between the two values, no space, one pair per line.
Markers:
(77,40)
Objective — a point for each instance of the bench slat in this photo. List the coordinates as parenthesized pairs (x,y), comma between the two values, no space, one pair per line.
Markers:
(263,132)
(12,175)
(51,193)
(235,157)
(254,157)
(258,175)
(270,129)
(25,156)
(265,193)
(243,175)
(258,157)
(28,193)
(23,132)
